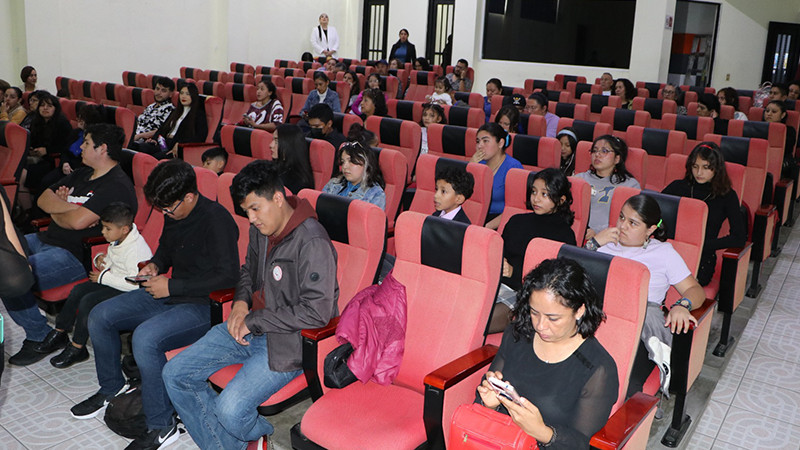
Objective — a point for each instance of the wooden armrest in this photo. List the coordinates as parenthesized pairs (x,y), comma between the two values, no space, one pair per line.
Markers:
(706,308)
(222,295)
(8,181)
(737,252)
(194,144)
(318,334)
(142,264)
(93,240)
(41,223)
(460,368)
(624,422)
(765,210)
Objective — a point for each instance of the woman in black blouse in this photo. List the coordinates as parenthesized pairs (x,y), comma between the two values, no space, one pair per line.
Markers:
(50,137)
(566,380)
(706,179)
(186,123)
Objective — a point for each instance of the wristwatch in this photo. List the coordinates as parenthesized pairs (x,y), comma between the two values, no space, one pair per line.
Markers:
(685,302)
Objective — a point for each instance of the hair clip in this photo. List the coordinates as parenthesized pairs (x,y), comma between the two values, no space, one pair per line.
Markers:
(660,221)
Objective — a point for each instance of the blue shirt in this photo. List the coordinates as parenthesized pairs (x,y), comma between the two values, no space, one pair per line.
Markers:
(499,184)
(374,194)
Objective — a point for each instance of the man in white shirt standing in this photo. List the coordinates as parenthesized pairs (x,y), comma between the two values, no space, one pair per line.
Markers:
(324,38)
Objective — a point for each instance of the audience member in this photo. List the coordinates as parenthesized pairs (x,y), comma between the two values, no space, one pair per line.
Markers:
(493,87)
(422,63)
(569,144)
(793,90)
(778,92)
(537,103)
(321,94)
(11,108)
(50,136)
(671,91)
(458,78)
(324,38)
(186,123)
(518,101)
(625,90)
(402,50)
(263,329)
(729,96)
(454,186)
(373,82)
(441,92)
(508,118)
(359,175)
(199,244)
(29,79)
(606,83)
(395,64)
(708,106)
(156,113)
(320,122)
(490,149)
(16,277)
(266,112)
(382,67)
(307,57)
(215,159)
(70,160)
(775,111)
(33,108)
(351,79)
(431,113)
(373,103)
(290,154)
(358,133)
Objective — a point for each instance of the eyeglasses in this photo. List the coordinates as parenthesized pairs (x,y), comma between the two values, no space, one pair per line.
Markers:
(602,151)
(667,92)
(171,212)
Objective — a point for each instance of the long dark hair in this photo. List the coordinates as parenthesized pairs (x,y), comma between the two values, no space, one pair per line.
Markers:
(293,160)
(512,113)
(630,89)
(731,97)
(650,213)
(196,107)
(273,91)
(620,173)
(709,151)
(782,105)
(42,130)
(435,108)
(363,156)
(356,87)
(558,186)
(568,281)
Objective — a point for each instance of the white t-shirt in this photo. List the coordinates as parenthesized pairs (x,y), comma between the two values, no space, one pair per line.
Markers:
(664,263)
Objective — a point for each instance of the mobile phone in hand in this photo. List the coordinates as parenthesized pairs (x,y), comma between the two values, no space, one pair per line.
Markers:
(138,279)
(504,388)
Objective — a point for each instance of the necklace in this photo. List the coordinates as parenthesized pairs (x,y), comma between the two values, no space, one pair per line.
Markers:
(691,193)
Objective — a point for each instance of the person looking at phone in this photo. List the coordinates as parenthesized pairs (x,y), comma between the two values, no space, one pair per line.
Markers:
(127,248)
(566,381)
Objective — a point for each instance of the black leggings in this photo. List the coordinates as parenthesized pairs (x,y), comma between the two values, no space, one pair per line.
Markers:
(641,370)
(79,304)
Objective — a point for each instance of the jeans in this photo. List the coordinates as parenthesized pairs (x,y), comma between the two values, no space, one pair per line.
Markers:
(82,299)
(24,311)
(228,420)
(157,327)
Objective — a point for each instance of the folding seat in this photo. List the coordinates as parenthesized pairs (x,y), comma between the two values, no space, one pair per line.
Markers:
(277,80)
(556,96)
(620,119)
(576,90)
(546,85)
(694,127)
(584,129)
(405,109)
(297,91)
(308,66)
(194,73)
(745,103)
(659,145)
(653,89)
(596,103)
(394,168)
(364,70)
(390,83)
(290,72)
(112,94)
(342,122)
(533,124)
(213,106)
(535,151)
(698,89)
(620,283)
(730,275)
(689,96)
(451,141)
(243,145)
(13,144)
(562,80)
(70,108)
(132,79)
(350,62)
(636,163)
(402,76)
(570,110)
(138,98)
(266,70)
(656,107)
(511,90)
(343,90)
(123,118)
(431,259)
(322,156)
(792,119)
(205,87)
(243,78)
(464,117)
(242,68)
(420,85)
(473,99)
(438,70)
(238,98)
(642,92)
(80,90)
(218,75)
(284,63)
(402,135)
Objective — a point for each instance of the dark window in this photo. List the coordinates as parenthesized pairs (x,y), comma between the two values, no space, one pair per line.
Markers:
(374,30)
(574,32)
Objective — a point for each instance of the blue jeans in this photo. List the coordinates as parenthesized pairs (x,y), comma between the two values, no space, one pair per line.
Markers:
(228,420)
(157,327)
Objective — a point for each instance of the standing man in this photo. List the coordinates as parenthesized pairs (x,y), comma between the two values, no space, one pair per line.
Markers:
(324,38)
(458,78)
(155,113)
(199,244)
(287,283)
(606,83)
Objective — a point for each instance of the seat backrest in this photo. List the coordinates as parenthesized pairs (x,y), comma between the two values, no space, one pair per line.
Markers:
(395,172)
(149,220)
(123,118)
(570,110)
(658,144)
(284,63)
(13,144)
(622,285)
(242,68)
(475,207)
(596,103)
(585,130)
(224,198)
(451,141)
(464,117)
(343,122)
(752,154)
(194,73)
(533,124)
(473,99)
(309,66)
(129,78)
(636,162)
(538,151)
(652,88)
(418,92)
(694,127)
(291,72)
(433,256)
(562,80)
(213,106)
(277,80)
(206,87)
(238,98)
(545,85)
(577,89)
(321,154)
(774,133)
(422,77)
(405,109)
(402,135)
(244,145)
(620,119)
(656,107)
(139,98)
(266,70)
(343,90)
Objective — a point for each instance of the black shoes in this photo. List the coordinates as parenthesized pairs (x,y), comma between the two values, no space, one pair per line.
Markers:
(92,406)
(27,354)
(55,340)
(156,439)
(69,356)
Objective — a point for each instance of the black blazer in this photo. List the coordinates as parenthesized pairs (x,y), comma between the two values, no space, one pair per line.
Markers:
(186,132)
(411,55)
(461,216)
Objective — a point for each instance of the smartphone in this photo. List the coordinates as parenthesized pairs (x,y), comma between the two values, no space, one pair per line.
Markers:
(504,388)
(138,279)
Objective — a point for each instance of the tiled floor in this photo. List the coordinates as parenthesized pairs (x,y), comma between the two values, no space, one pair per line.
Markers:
(755,404)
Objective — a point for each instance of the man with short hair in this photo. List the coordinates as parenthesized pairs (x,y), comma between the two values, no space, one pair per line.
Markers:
(320,120)
(606,83)
(671,91)
(458,77)
(155,113)
(338,67)
(382,67)
(74,204)
(777,92)
(288,283)
(199,244)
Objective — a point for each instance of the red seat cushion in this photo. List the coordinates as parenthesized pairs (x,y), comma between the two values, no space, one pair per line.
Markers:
(59,293)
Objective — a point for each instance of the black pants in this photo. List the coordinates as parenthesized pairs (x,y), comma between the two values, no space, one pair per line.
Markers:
(640,371)
(79,304)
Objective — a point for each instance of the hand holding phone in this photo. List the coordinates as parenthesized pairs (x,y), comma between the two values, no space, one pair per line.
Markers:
(505,389)
(138,279)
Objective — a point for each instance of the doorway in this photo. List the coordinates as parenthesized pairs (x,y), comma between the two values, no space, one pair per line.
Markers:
(694,39)
(439,42)
(782,53)
(375,29)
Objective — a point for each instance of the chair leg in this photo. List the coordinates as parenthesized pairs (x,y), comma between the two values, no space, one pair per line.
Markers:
(681,347)
(725,339)
(754,288)
(775,249)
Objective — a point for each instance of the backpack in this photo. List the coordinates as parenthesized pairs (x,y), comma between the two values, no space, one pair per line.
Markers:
(125,415)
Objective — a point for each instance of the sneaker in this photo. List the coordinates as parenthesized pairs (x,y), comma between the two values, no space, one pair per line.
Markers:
(156,439)
(263,443)
(92,406)
(69,356)
(55,340)
(27,354)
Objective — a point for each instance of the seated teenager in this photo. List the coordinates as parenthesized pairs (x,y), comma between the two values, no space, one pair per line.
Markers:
(268,313)
(359,175)
(550,198)
(640,236)
(290,154)
(729,96)
(266,112)
(569,144)
(186,123)
(566,380)
(491,143)
(215,159)
(508,118)
(775,111)
(155,113)
(321,94)
(320,122)
(453,187)
(351,79)
(707,179)
(604,175)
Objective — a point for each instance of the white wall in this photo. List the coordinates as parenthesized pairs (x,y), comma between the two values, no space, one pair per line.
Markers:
(12,40)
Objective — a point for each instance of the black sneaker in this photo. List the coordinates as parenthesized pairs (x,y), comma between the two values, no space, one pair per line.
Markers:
(27,354)
(69,356)
(55,340)
(156,439)
(92,406)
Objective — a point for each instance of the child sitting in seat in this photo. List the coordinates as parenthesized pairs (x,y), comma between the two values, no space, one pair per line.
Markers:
(441,92)
(125,250)
(215,159)
(453,187)
(431,113)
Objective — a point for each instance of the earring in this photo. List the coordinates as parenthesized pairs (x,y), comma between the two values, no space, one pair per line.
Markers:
(646,243)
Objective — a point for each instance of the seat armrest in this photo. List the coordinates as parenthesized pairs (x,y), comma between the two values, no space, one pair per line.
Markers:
(782,196)
(318,334)
(733,277)
(706,308)
(222,295)
(458,369)
(8,181)
(624,422)
(762,232)
(311,339)
(93,240)
(38,224)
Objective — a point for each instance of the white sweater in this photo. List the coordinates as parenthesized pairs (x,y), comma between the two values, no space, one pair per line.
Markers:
(122,261)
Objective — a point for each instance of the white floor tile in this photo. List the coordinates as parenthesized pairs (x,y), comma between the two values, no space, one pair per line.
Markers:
(24,400)
(750,430)
(699,441)
(776,372)
(767,400)
(49,428)
(712,418)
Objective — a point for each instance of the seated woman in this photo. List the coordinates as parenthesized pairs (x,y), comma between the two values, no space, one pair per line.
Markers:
(351,78)
(508,118)
(11,107)
(640,236)
(431,113)
(550,198)
(493,87)
(566,379)
(290,152)
(729,96)
(775,111)
(373,82)
(321,94)
(186,123)
(359,175)
(266,113)
(604,175)
(625,90)
(50,136)
(422,63)
(33,108)
(707,179)
(490,149)
(373,103)
(569,144)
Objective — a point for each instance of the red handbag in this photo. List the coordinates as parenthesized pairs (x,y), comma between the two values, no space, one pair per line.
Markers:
(476,427)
